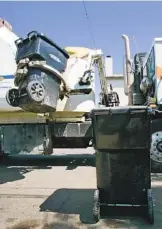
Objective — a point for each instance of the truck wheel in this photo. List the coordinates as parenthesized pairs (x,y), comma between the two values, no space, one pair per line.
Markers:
(12,97)
(156,152)
(96,206)
(150,207)
(36,91)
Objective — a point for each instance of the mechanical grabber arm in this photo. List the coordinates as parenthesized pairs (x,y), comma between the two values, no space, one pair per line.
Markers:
(109,98)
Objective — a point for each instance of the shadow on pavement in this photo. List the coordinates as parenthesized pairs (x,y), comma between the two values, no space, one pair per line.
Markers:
(71,201)
(80,202)
(27,163)
(10,174)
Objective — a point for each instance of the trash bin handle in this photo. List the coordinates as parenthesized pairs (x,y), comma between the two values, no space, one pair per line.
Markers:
(18,41)
(34,33)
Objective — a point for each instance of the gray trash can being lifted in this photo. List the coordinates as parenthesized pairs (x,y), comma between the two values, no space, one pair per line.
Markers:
(40,65)
(121,137)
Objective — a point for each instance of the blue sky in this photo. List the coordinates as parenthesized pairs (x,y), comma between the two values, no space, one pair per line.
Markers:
(66,23)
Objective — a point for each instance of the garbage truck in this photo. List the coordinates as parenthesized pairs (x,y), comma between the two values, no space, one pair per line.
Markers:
(143,86)
(48,100)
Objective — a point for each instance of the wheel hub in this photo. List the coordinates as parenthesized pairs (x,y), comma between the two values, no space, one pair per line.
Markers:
(156,147)
(36,91)
(12,97)
(159,146)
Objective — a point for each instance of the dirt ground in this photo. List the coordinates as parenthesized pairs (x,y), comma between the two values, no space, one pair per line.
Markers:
(60,197)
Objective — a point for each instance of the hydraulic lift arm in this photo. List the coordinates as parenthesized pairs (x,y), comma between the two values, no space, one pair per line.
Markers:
(109,98)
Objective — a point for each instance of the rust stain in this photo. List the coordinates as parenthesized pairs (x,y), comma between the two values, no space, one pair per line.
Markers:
(158,72)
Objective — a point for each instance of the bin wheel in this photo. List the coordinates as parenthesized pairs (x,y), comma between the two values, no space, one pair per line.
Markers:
(36,91)
(12,97)
(150,207)
(96,206)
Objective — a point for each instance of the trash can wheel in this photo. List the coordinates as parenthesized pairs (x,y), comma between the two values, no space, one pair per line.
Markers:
(96,206)
(150,207)
(36,91)
(12,97)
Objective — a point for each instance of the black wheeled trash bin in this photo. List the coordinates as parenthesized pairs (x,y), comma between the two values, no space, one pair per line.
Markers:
(39,88)
(121,138)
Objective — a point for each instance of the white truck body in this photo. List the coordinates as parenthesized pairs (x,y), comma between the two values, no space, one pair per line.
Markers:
(7,66)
